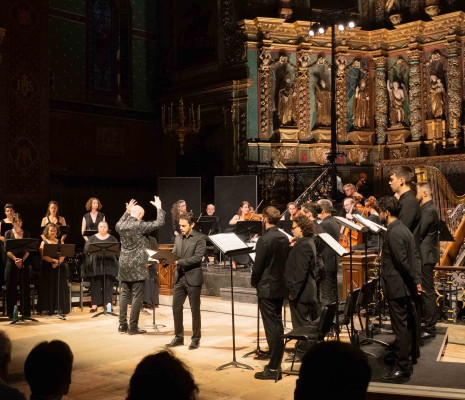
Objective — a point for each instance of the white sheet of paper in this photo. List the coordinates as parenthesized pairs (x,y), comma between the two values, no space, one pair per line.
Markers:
(374,227)
(283,231)
(348,223)
(228,242)
(333,243)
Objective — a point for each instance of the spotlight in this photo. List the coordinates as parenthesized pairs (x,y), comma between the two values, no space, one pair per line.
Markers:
(351,24)
(311,32)
(321,30)
(340,27)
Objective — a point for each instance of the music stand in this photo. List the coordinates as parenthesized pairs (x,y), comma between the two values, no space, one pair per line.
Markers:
(286,226)
(56,251)
(18,246)
(90,232)
(104,248)
(231,245)
(248,227)
(258,352)
(204,227)
(444,232)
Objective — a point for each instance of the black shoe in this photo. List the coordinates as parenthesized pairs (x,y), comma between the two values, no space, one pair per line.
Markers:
(123,328)
(175,342)
(92,310)
(395,376)
(194,345)
(136,331)
(269,374)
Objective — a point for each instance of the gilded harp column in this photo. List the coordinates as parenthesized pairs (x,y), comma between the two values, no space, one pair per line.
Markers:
(453,87)
(416,118)
(381,100)
(265,94)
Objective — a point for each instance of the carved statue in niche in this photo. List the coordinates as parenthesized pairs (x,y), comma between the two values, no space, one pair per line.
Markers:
(287,103)
(436,96)
(396,103)
(392,6)
(360,105)
(323,102)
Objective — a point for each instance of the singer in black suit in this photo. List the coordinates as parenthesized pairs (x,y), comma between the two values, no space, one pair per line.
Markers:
(427,234)
(188,279)
(268,278)
(328,287)
(400,281)
(301,274)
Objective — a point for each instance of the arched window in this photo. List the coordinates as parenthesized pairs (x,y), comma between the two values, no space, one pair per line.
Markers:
(109,77)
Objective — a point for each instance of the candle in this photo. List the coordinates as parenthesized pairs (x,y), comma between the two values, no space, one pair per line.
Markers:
(455,123)
(443,125)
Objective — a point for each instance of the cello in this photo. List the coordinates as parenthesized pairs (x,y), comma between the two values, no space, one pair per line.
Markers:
(357,237)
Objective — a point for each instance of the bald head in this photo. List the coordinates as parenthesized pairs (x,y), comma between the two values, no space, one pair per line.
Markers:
(137,212)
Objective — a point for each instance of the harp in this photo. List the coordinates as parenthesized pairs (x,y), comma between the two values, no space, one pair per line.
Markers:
(451,208)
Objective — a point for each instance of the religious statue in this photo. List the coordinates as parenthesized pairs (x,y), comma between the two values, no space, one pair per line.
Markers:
(396,103)
(323,104)
(360,105)
(436,97)
(287,103)
(391,5)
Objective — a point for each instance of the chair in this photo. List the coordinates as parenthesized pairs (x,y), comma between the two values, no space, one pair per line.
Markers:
(350,306)
(313,333)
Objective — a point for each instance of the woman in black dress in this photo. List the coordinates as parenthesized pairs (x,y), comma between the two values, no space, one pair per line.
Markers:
(48,280)
(5,224)
(91,219)
(52,216)
(16,263)
(95,267)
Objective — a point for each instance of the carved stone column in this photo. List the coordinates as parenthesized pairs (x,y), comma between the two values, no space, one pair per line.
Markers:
(453,86)
(381,100)
(265,62)
(341,99)
(415,94)
(304,94)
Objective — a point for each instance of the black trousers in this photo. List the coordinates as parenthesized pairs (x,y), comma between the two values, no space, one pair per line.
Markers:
(428,298)
(96,290)
(271,311)
(135,291)
(15,277)
(302,315)
(328,288)
(403,322)
(180,292)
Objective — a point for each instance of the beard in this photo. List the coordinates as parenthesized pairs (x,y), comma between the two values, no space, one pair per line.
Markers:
(383,221)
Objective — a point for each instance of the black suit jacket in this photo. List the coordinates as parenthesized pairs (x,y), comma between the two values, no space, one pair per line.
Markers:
(190,263)
(300,272)
(399,275)
(270,260)
(330,259)
(410,210)
(427,232)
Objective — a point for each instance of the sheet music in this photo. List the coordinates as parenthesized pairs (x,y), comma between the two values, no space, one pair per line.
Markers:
(333,243)
(374,227)
(283,231)
(348,224)
(227,242)
(252,246)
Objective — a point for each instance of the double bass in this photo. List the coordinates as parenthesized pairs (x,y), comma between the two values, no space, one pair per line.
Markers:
(346,233)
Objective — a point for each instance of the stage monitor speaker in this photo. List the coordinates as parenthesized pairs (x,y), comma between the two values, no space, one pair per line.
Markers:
(172,189)
(230,192)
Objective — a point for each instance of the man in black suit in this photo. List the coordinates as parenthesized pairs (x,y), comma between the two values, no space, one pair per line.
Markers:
(400,281)
(300,274)
(427,232)
(268,277)
(188,279)
(329,225)
(401,181)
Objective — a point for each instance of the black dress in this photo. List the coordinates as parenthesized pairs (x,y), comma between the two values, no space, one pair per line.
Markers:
(90,224)
(58,223)
(12,279)
(3,256)
(94,271)
(48,286)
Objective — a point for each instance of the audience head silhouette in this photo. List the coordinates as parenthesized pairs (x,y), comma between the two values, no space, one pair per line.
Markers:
(48,369)
(333,371)
(162,370)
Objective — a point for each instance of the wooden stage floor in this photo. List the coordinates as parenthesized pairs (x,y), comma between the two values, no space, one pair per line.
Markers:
(105,359)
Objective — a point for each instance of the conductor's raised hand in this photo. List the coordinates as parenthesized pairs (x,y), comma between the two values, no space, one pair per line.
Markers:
(129,205)
(156,203)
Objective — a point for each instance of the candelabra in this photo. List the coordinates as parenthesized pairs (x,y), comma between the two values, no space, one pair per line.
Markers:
(176,126)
